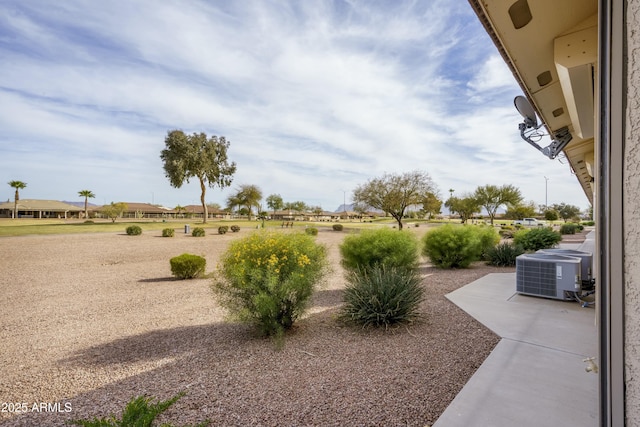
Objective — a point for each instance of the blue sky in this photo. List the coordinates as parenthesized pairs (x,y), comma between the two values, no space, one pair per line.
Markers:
(315,97)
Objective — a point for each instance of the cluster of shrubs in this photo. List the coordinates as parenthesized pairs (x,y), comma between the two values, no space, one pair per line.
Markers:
(457,247)
(383,283)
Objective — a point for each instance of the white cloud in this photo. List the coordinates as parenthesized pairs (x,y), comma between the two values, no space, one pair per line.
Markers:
(316,97)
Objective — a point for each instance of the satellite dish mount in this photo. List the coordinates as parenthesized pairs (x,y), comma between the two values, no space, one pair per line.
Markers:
(529,130)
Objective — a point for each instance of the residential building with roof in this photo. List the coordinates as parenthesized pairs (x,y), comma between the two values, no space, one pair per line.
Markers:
(30,208)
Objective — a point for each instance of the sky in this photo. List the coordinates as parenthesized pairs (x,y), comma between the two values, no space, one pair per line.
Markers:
(315,98)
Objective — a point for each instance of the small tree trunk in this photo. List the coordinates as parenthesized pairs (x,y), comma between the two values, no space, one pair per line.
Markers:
(203,188)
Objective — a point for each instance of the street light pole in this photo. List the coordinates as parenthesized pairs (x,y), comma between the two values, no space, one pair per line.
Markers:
(546,202)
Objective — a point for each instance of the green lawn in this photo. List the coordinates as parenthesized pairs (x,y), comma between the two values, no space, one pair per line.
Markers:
(23,227)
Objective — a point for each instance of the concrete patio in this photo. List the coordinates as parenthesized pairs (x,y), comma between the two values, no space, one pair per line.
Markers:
(536,374)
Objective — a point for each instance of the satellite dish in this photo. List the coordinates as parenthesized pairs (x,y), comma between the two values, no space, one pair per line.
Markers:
(529,129)
(526,111)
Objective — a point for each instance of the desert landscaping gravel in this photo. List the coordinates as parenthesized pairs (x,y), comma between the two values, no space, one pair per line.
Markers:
(89,321)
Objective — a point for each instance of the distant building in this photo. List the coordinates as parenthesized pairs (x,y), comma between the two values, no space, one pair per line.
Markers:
(30,208)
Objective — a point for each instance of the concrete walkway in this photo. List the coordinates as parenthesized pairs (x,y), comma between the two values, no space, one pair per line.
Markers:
(536,374)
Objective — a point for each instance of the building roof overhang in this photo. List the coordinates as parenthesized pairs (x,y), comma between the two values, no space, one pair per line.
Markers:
(551,48)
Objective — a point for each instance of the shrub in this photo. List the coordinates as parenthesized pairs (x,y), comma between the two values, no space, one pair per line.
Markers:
(382,246)
(449,246)
(168,232)
(337,227)
(223,229)
(198,232)
(504,254)
(88,222)
(187,266)
(235,228)
(589,223)
(489,238)
(537,238)
(139,412)
(267,278)
(134,230)
(311,231)
(382,296)
(568,228)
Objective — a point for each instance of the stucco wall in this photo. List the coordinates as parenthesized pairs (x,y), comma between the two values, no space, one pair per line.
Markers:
(632,218)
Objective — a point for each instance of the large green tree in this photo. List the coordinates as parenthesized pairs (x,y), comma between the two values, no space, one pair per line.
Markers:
(86,194)
(18,185)
(275,202)
(393,193)
(187,156)
(248,196)
(465,206)
(491,197)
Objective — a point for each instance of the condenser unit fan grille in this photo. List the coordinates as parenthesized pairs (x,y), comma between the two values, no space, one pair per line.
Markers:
(537,278)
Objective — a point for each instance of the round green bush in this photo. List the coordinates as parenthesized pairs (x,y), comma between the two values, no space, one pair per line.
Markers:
(134,230)
(382,296)
(568,228)
(504,254)
(235,228)
(537,238)
(198,232)
(489,238)
(451,246)
(168,232)
(267,278)
(337,227)
(223,229)
(311,231)
(187,266)
(386,246)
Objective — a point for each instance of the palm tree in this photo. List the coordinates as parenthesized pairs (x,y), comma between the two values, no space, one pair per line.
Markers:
(18,185)
(86,194)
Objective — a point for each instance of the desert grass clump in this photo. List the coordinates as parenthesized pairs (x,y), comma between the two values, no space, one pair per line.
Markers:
(139,412)
(198,232)
(383,246)
(168,232)
(382,296)
(187,266)
(537,238)
(134,230)
(267,278)
(451,246)
(504,254)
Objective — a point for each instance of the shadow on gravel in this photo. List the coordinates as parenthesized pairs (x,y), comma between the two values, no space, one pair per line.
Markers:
(218,338)
(160,279)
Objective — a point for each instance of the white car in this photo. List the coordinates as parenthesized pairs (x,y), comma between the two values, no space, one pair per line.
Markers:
(528,222)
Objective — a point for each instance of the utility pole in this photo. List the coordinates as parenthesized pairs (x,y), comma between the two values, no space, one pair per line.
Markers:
(546,201)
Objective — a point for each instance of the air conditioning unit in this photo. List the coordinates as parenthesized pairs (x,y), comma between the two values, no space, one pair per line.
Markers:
(548,275)
(586,259)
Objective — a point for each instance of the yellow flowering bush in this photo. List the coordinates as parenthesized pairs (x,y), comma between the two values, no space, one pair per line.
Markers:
(268,277)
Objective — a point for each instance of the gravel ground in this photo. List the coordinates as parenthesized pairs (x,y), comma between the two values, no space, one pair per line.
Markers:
(90,321)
